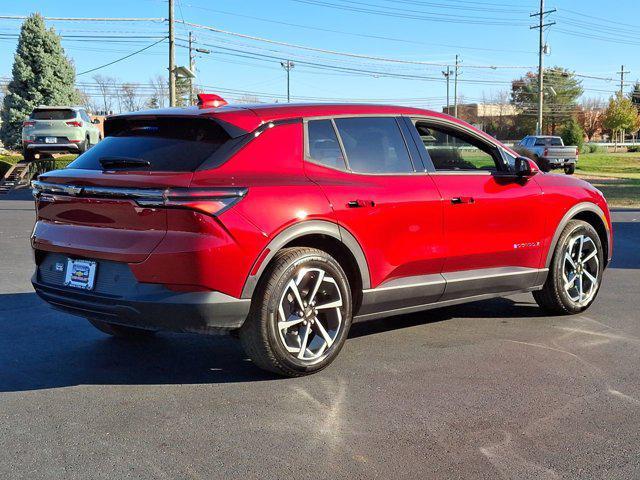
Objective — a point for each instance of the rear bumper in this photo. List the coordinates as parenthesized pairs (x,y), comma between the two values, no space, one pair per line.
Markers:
(157,308)
(559,162)
(53,147)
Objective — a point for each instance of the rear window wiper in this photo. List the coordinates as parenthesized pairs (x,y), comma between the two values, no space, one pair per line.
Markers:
(123,162)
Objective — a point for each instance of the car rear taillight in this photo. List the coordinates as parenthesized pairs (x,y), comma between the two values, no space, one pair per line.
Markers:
(212,201)
(546,152)
(28,123)
(74,123)
(577,151)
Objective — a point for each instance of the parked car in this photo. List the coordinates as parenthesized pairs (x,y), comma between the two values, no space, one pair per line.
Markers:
(550,152)
(58,130)
(283,224)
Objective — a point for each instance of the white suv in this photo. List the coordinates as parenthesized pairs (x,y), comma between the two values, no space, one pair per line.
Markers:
(58,129)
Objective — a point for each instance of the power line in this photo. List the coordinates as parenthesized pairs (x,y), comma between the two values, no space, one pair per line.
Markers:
(122,58)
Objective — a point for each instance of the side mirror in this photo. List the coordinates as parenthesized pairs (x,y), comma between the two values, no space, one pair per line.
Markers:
(95,121)
(523,168)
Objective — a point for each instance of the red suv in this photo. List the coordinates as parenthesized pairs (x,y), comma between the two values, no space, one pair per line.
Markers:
(282,224)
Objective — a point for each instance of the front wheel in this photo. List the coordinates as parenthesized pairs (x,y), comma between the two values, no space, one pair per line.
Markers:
(300,313)
(575,273)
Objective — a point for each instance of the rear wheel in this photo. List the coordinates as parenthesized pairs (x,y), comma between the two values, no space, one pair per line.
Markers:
(569,169)
(85,145)
(120,331)
(301,313)
(575,272)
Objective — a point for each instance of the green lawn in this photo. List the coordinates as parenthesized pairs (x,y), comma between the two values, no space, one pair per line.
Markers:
(617,175)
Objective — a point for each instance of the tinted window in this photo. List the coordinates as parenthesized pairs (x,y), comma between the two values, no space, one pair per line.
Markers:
(549,142)
(84,116)
(166,143)
(451,150)
(324,147)
(53,114)
(374,145)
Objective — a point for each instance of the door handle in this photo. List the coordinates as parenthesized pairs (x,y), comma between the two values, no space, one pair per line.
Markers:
(360,203)
(459,200)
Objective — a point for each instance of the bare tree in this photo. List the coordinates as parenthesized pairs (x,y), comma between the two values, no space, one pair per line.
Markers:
(130,101)
(160,96)
(590,115)
(107,91)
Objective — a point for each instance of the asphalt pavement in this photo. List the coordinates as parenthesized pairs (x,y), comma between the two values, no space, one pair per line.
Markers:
(492,389)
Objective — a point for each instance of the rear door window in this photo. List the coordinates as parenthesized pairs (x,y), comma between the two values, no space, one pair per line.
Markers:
(53,114)
(374,145)
(324,147)
(174,144)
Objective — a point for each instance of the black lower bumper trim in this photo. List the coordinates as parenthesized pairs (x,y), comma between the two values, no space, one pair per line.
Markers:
(200,312)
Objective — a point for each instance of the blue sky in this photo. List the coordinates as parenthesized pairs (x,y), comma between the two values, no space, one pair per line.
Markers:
(585,38)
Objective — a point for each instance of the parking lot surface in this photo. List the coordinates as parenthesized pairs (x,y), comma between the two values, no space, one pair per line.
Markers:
(492,389)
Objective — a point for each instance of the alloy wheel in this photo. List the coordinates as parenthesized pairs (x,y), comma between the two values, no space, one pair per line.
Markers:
(310,314)
(581,269)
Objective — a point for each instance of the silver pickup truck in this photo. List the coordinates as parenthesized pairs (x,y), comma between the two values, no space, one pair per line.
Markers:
(550,152)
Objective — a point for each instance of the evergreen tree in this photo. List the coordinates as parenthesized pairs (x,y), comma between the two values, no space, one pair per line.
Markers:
(572,133)
(562,89)
(42,74)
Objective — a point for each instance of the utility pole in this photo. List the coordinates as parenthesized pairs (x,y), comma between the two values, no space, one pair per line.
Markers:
(172,59)
(447,74)
(622,74)
(192,58)
(455,89)
(288,65)
(541,50)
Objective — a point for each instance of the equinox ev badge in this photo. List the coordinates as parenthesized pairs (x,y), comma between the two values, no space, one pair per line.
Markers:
(526,245)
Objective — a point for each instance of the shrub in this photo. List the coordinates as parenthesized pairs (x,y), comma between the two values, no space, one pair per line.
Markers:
(634,149)
(572,133)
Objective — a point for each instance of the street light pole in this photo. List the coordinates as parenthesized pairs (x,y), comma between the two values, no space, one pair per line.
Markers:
(447,74)
(288,65)
(172,59)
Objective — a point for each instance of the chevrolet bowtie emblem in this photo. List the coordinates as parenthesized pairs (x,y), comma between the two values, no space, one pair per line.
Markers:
(72,190)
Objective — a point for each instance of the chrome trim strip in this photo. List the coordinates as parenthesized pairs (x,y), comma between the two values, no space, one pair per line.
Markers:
(465,275)
(90,191)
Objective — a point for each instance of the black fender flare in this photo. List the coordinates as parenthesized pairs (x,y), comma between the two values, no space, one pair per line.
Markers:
(572,212)
(310,227)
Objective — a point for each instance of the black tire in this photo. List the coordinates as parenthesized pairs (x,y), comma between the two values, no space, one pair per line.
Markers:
(120,331)
(84,146)
(260,336)
(553,297)
(28,155)
(570,169)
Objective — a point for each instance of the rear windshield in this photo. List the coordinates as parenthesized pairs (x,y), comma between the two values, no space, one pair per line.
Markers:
(548,142)
(53,114)
(171,144)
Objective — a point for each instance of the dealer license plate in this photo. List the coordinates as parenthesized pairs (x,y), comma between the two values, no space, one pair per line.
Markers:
(80,274)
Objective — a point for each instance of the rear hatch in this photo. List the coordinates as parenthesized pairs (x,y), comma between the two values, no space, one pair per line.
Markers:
(108,204)
(46,124)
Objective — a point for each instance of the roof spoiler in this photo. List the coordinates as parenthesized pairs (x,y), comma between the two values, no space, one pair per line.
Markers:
(210,100)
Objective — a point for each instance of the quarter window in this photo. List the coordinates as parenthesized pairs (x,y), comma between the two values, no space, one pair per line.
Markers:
(374,145)
(324,147)
(452,150)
